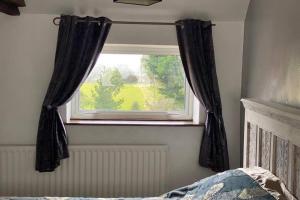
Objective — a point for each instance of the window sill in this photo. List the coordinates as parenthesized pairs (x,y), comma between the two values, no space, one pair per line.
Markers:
(130,123)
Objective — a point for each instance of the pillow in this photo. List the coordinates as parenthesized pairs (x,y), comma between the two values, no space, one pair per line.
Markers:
(269,182)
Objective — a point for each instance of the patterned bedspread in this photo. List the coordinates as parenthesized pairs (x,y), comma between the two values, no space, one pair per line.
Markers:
(229,185)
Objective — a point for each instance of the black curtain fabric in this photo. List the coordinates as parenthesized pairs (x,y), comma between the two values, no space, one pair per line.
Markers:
(197,53)
(80,41)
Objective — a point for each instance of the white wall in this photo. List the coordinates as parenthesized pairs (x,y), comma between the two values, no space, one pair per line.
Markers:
(27,48)
(272,51)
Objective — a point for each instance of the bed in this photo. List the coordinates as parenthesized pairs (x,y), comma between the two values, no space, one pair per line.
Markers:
(271,161)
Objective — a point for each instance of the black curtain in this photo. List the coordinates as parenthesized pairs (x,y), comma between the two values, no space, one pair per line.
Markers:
(80,41)
(197,53)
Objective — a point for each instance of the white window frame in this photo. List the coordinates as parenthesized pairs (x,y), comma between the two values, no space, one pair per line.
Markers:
(191,113)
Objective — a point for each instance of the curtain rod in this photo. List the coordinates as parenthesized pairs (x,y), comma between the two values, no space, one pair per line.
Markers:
(127,22)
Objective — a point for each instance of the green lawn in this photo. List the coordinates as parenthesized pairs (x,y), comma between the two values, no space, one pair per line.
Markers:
(135,97)
(132,94)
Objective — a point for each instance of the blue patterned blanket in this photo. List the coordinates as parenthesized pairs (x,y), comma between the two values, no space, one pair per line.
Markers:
(229,185)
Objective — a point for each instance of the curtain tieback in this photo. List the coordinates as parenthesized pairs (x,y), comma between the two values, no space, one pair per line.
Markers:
(218,117)
(49,107)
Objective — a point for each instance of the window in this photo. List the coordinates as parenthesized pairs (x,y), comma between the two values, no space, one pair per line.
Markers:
(135,82)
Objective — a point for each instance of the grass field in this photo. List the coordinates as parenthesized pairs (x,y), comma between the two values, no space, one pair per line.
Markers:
(135,97)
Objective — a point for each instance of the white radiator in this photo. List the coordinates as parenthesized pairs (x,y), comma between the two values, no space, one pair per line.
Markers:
(91,171)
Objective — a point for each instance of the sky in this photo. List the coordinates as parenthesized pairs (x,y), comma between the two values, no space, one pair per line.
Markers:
(132,61)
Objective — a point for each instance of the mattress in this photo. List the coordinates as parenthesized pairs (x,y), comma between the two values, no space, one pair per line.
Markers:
(252,183)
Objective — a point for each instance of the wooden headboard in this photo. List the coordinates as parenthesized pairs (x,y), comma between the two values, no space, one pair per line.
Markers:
(272,140)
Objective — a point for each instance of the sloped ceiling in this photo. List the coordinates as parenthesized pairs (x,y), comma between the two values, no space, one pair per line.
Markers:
(168,10)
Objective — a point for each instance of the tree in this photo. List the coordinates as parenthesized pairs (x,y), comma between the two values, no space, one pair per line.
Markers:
(167,72)
(131,78)
(107,87)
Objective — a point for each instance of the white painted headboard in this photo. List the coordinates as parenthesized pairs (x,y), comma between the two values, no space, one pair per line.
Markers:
(272,140)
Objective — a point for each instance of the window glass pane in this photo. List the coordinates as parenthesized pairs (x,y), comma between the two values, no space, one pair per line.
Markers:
(132,82)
